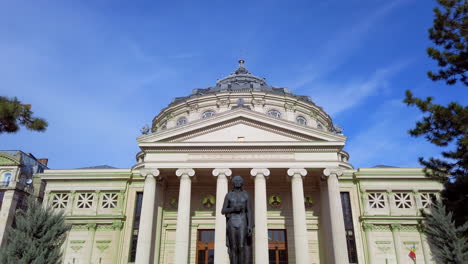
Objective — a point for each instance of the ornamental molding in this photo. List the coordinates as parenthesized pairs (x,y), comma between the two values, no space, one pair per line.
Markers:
(207,130)
(331,171)
(297,171)
(263,171)
(395,227)
(185,172)
(243,149)
(224,171)
(149,172)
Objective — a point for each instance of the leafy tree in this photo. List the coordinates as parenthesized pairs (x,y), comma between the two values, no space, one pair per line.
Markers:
(448,245)
(13,114)
(450,34)
(37,237)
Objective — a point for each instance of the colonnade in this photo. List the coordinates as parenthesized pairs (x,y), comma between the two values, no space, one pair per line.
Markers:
(301,243)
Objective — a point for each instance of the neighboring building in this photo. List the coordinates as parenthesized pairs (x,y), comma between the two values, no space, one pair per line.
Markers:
(310,205)
(16,183)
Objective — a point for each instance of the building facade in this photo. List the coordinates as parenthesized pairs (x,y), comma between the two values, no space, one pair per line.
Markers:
(19,178)
(310,205)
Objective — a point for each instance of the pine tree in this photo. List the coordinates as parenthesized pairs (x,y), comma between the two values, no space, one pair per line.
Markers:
(447,126)
(450,34)
(13,114)
(37,237)
(447,242)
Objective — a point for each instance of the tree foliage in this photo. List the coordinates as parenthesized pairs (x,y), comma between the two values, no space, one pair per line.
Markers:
(37,237)
(443,126)
(447,242)
(13,114)
(450,35)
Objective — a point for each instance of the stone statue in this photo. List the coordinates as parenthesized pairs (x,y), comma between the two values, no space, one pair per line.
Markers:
(239,223)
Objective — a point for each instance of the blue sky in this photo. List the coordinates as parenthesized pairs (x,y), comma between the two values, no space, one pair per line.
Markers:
(100,70)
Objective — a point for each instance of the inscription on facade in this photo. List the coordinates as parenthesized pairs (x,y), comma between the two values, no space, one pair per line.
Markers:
(243,157)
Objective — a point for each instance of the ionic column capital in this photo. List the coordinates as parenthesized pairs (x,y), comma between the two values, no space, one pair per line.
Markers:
(332,171)
(222,171)
(263,171)
(185,171)
(149,172)
(297,171)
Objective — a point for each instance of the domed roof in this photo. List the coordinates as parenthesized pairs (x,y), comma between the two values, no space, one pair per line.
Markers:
(241,81)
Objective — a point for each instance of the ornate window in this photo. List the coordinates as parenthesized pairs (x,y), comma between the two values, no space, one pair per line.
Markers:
(274,113)
(376,200)
(403,200)
(109,200)
(85,200)
(60,200)
(301,120)
(181,121)
(6,179)
(427,199)
(320,126)
(207,114)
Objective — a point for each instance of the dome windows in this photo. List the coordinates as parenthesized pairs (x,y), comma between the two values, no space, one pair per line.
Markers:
(301,120)
(181,121)
(319,126)
(207,114)
(274,113)
(163,126)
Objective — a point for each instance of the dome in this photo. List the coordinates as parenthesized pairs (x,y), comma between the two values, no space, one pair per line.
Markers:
(242,88)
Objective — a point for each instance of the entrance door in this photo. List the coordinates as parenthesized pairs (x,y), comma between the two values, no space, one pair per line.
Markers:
(277,246)
(205,247)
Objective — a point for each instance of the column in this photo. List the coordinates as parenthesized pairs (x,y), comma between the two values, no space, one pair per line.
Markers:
(301,243)
(145,233)
(183,216)
(92,233)
(261,227)
(368,230)
(396,241)
(340,248)
(426,251)
(221,255)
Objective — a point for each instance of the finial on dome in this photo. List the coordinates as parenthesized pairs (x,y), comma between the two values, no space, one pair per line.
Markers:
(241,69)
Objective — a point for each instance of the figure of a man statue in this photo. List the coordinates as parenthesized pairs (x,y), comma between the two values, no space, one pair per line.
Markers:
(239,224)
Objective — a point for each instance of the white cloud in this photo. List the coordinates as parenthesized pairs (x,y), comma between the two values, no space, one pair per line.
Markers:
(338,97)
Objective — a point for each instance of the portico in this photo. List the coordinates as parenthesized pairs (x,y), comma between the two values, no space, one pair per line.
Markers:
(260,176)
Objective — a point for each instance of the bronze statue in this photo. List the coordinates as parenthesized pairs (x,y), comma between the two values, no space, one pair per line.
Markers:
(239,223)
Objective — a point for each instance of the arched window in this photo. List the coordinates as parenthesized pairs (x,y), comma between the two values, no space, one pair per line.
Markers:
(208,113)
(319,126)
(274,113)
(6,179)
(182,121)
(301,120)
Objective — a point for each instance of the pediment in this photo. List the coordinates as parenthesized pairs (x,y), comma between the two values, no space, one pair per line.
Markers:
(241,125)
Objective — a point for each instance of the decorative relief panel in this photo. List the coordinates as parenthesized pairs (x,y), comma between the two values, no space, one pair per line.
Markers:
(427,199)
(60,200)
(109,200)
(376,200)
(85,200)
(403,200)
(275,201)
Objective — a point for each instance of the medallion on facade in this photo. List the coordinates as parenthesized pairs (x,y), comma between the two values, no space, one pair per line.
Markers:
(275,201)
(208,201)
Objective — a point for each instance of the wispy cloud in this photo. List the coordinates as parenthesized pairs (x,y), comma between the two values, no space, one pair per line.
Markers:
(336,97)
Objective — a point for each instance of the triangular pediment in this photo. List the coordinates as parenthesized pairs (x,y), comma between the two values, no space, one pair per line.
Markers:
(241,125)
